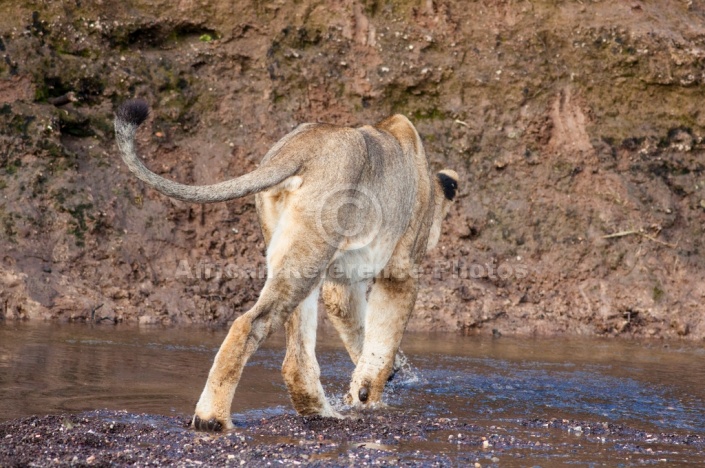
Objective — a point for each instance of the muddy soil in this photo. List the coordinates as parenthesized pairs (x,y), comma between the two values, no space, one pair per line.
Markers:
(576,128)
(107,438)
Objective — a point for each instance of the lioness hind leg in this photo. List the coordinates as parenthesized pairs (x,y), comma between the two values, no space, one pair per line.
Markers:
(300,369)
(390,304)
(244,337)
(295,269)
(346,305)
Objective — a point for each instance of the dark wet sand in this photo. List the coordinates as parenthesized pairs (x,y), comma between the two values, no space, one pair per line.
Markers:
(115,438)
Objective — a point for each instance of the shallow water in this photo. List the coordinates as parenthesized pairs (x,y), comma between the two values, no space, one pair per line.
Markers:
(496,384)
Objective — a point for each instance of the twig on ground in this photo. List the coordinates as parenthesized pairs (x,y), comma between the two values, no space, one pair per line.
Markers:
(620,234)
(641,233)
(658,241)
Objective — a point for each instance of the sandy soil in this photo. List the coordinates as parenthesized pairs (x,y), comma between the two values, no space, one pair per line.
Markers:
(576,128)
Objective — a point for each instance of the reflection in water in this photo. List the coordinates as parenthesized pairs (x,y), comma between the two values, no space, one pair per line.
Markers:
(50,368)
(55,368)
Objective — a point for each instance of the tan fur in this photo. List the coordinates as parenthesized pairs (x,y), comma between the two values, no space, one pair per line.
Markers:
(346,305)
(330,200)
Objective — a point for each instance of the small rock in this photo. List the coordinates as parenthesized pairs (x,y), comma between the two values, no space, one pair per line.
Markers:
(147,320)
(683,329)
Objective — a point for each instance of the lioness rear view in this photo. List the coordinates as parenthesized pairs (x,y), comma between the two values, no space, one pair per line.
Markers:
(339,207)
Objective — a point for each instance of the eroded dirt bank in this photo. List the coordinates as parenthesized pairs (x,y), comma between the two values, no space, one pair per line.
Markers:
(576,128)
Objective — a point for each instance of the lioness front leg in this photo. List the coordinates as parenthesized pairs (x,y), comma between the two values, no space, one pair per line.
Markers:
(390,304)
(346,305)
(300,369)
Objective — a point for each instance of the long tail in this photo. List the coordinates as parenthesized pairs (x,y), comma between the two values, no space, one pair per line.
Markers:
(131,115)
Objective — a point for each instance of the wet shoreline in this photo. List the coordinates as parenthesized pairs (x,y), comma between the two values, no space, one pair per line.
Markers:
(119,438)
(78,395)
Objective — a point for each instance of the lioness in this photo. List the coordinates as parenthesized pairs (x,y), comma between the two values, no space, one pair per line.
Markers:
(338,207)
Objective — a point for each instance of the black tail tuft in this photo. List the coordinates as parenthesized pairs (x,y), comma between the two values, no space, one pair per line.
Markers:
(134,111)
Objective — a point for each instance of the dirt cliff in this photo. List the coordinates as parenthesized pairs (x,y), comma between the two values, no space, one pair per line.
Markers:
(576,128)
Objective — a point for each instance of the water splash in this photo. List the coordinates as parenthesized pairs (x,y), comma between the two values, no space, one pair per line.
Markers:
(407,375)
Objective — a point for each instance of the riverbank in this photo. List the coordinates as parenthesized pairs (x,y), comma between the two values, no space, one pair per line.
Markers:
(577,131)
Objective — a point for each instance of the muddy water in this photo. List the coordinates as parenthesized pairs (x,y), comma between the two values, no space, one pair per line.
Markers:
(502,385)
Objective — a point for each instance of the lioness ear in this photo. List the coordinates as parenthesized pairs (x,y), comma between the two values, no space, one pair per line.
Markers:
(449,183)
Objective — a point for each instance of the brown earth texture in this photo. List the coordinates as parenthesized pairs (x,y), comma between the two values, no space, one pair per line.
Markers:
(576,128)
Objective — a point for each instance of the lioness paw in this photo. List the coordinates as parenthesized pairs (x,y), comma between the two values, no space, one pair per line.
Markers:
(363,394)
(331,413)
(211,425)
